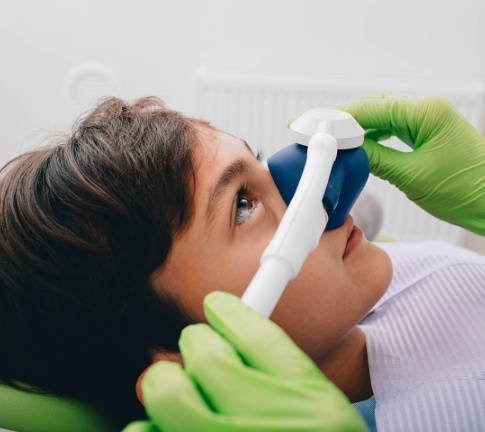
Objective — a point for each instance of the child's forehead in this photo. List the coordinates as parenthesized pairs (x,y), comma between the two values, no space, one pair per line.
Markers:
(218,154)
(218,146)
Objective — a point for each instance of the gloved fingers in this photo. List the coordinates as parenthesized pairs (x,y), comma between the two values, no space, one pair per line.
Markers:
(233,388)
(401,116)
(387,163)
(173,401)
(378,134)
(226,385)
(141,426)
(261,343)
(218,371)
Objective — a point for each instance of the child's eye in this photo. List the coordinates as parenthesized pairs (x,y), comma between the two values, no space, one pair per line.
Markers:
(245,206)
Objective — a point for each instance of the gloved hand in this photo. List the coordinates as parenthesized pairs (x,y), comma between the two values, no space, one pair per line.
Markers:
(242,373)
(445,172)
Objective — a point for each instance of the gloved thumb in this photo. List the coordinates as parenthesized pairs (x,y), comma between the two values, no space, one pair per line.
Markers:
(387,163)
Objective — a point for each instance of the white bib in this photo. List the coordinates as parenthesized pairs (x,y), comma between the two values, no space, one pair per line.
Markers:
(426,341)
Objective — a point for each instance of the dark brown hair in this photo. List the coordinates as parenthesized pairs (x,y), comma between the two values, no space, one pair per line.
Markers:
(83,225)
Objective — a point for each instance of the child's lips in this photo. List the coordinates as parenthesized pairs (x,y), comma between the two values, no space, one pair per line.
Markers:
(354,237)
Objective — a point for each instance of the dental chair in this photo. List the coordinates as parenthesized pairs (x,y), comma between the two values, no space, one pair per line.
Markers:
(21,411)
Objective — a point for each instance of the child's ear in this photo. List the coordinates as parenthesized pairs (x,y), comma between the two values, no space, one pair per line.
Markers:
(156,357)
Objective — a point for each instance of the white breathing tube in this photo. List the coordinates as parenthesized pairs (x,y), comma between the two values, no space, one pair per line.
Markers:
(299,232)
(324,131)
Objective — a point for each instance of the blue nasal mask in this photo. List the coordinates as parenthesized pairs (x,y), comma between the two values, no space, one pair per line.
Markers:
(320,177)
(350,170)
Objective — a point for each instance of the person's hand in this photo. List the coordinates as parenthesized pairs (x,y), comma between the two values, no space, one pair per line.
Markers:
(445,172)
(241,373)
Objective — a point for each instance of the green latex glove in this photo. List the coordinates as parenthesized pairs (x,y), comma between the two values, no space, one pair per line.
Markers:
(242,373)
(445,172)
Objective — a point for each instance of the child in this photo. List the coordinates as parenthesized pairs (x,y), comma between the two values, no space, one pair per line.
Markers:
(111,238)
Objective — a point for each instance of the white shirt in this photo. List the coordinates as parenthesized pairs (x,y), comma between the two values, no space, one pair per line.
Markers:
(426,341)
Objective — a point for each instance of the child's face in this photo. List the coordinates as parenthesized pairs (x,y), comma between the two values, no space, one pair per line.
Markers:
(237,211)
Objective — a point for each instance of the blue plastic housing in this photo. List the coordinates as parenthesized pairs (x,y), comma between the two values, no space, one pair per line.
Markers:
(349,174)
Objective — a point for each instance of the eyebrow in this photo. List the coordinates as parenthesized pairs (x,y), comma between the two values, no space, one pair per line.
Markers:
(235,170)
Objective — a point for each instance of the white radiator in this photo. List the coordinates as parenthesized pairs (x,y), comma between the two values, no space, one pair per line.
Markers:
(257,109)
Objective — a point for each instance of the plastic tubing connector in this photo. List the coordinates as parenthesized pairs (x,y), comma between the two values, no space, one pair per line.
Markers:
(299,231)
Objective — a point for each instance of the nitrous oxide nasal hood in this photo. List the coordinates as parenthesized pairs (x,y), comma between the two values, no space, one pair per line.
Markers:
(350,170)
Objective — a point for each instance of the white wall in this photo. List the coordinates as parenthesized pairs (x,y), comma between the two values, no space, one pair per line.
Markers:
(153,47)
